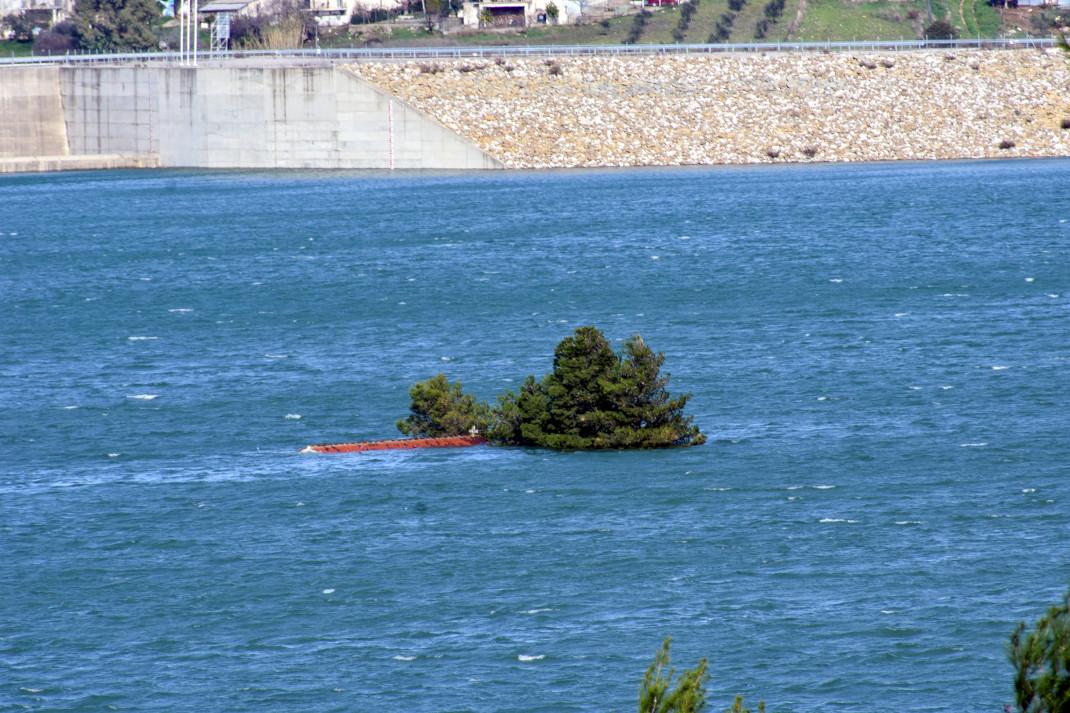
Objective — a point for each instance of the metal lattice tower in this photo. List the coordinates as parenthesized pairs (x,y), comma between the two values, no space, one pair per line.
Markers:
(221,32)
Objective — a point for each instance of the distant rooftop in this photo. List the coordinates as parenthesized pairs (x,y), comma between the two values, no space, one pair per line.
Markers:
(226,5)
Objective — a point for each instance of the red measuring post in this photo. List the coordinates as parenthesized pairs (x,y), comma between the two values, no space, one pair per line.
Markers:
(396,444)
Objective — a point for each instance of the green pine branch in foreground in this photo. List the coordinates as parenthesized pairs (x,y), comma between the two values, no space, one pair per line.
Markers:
(1041,660)
(657,694)
(593,399)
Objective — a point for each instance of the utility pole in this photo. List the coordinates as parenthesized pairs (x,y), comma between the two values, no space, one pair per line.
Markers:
(196,29)
(187,32)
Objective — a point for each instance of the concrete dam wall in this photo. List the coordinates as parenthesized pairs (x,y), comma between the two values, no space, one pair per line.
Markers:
(600,110)
(216,117)
(31,113)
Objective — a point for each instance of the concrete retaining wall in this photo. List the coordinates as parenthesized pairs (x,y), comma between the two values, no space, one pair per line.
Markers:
(31,113)
(110,110)
(222,117)
(275,117)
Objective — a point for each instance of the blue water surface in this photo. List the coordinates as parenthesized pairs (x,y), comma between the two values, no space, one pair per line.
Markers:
(879,354)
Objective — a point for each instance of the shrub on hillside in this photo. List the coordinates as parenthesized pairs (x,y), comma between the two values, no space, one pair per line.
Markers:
(282,24)
(60,39)
(723,29)
(773,9)
(941,30)
(687,11)
(364,15)
(638,25)
(772,12)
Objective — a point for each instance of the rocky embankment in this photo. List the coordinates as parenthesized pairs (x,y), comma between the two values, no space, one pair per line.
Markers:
(731,109)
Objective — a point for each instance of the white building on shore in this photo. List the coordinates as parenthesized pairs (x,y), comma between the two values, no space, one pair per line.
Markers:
(326,12)
(56,9)
(518,13)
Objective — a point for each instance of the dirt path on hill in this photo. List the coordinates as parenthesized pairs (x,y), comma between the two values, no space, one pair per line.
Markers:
(966,27)
(800,13)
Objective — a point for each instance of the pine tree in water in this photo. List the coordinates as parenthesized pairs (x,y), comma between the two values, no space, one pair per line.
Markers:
(440,408)
(595,399)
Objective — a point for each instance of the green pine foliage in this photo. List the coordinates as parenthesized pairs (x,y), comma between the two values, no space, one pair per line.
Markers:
(657,693)
(117,25)
(738,706)
(595,399)
(440,408)
(1041,660)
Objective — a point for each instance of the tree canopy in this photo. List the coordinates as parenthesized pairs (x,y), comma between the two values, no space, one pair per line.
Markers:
(440,408)
(593,398)
(1041,659)
(116,25)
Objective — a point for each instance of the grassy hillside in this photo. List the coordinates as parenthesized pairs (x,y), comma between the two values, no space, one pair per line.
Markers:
(804,20)
(975,19)
(841,20)
(10,48)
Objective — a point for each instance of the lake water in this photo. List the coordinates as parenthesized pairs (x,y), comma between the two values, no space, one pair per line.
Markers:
(879,354)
